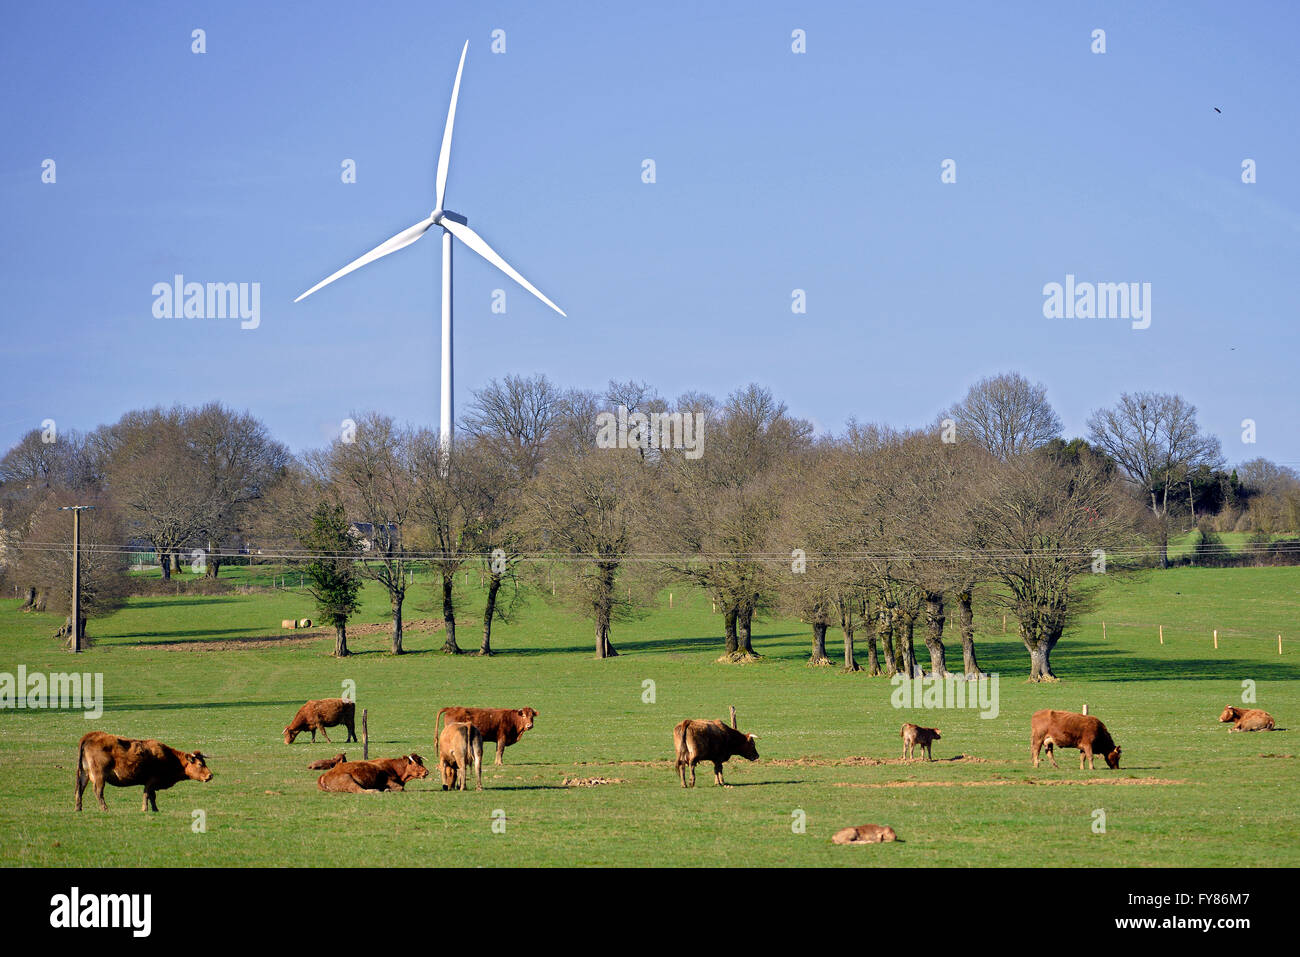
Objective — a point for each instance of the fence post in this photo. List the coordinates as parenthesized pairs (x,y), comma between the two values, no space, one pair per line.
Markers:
(365,736)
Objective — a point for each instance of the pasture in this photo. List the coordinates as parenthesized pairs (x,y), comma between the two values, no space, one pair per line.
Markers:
(180,668)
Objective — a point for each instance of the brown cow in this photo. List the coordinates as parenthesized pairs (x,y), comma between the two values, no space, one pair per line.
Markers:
(914,734)
(502,725)
(324,764)
(1067,729)
(1247,719)
(703,740)
(371,777)
(459,745)
(865,834)
(125,762)
(318,715)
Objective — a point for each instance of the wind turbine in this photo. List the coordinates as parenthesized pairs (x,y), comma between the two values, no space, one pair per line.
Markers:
(453,224)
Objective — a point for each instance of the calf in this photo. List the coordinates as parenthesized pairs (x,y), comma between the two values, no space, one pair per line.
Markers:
(125,762)
(1247,719)
(459,745)
(865,834)
(502,725)
(318,715)
(324,764)
(914,734)
(702,740)
(371,777)
(1069,730)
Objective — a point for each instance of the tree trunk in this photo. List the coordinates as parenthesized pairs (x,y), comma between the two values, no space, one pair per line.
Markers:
(934,619)
(449,645)
(604,612)
(341,641)
(396,597)
(850,662)
(1040,660)
(885,627)
(212,566)
(745,630)
(907,647)
(489,612)
(29,601)
(873,654)
(729,624)
(165,564)
(819,645)
(966,623)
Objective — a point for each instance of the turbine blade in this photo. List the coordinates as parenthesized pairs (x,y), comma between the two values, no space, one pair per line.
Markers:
(444,156)
(400,241)
(475,242)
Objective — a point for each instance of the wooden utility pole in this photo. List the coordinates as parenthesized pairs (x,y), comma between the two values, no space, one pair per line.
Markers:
(76,511)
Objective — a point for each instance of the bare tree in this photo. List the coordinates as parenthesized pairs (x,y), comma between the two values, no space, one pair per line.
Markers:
(1154,439)
(1006,414)
(516,418)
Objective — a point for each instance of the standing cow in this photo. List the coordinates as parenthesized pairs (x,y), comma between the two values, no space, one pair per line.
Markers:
(1247,719)
(914,734)
(502,725)
(125,762)
(702,740)
(460,745)
(1066,729)
(318,715)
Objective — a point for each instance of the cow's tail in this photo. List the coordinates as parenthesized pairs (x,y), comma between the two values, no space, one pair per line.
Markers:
(679,743)
(436,733)
(80,776)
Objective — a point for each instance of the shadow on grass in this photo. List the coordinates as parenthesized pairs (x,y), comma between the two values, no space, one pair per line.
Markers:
(113,704)
(155,602)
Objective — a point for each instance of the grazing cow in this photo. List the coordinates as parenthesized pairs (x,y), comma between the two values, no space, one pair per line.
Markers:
(865,834)
(460,745)
(1066,729)
(1247,719)
(703,740)
(914,734)
(318,715)
(371,777)
(502,725)
(324,764)
(125,762)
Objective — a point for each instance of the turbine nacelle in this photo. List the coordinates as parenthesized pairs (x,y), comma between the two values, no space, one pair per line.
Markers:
(438,215)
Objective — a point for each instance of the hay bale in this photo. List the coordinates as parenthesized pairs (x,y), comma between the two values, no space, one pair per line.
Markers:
(288,623)
(304,622)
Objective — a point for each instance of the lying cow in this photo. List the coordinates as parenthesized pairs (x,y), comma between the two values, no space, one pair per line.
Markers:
(460,745)
(865,834)
(125,762)
(1247,719)
(324,764)
(914,734)
(318,715)
(1066,729)
(703,740)
(502,725)
(371,777)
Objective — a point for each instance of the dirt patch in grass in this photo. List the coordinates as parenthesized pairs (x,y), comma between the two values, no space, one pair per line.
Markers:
(296,639)
(590,782)
(854,761)
(1277,755)
(625,764)
(1000,782)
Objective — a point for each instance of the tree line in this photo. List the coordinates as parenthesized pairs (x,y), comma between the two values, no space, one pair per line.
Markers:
(876,532)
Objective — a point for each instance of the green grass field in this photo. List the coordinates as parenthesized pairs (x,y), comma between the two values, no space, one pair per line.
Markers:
(1189,793)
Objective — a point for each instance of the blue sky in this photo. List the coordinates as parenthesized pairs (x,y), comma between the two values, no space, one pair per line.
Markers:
(775,171)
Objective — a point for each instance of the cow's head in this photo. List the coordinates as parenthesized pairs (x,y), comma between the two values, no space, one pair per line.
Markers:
(749,749)
(289,736)
(935,732)
(1112,759)
(526,716)
(196,767)
(1229,714)
(414,768)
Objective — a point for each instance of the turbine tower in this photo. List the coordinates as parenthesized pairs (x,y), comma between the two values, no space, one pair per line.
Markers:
(453,224)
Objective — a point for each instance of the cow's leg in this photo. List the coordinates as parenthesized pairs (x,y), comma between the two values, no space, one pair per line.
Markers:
(1035,749)
(324,734)
(478,770)
(352,734)
(717,774)
(500,748)
(681,771)
(313,735)
(97,782)
(928,755)
(692,772)
(1051,752)
(82,781)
